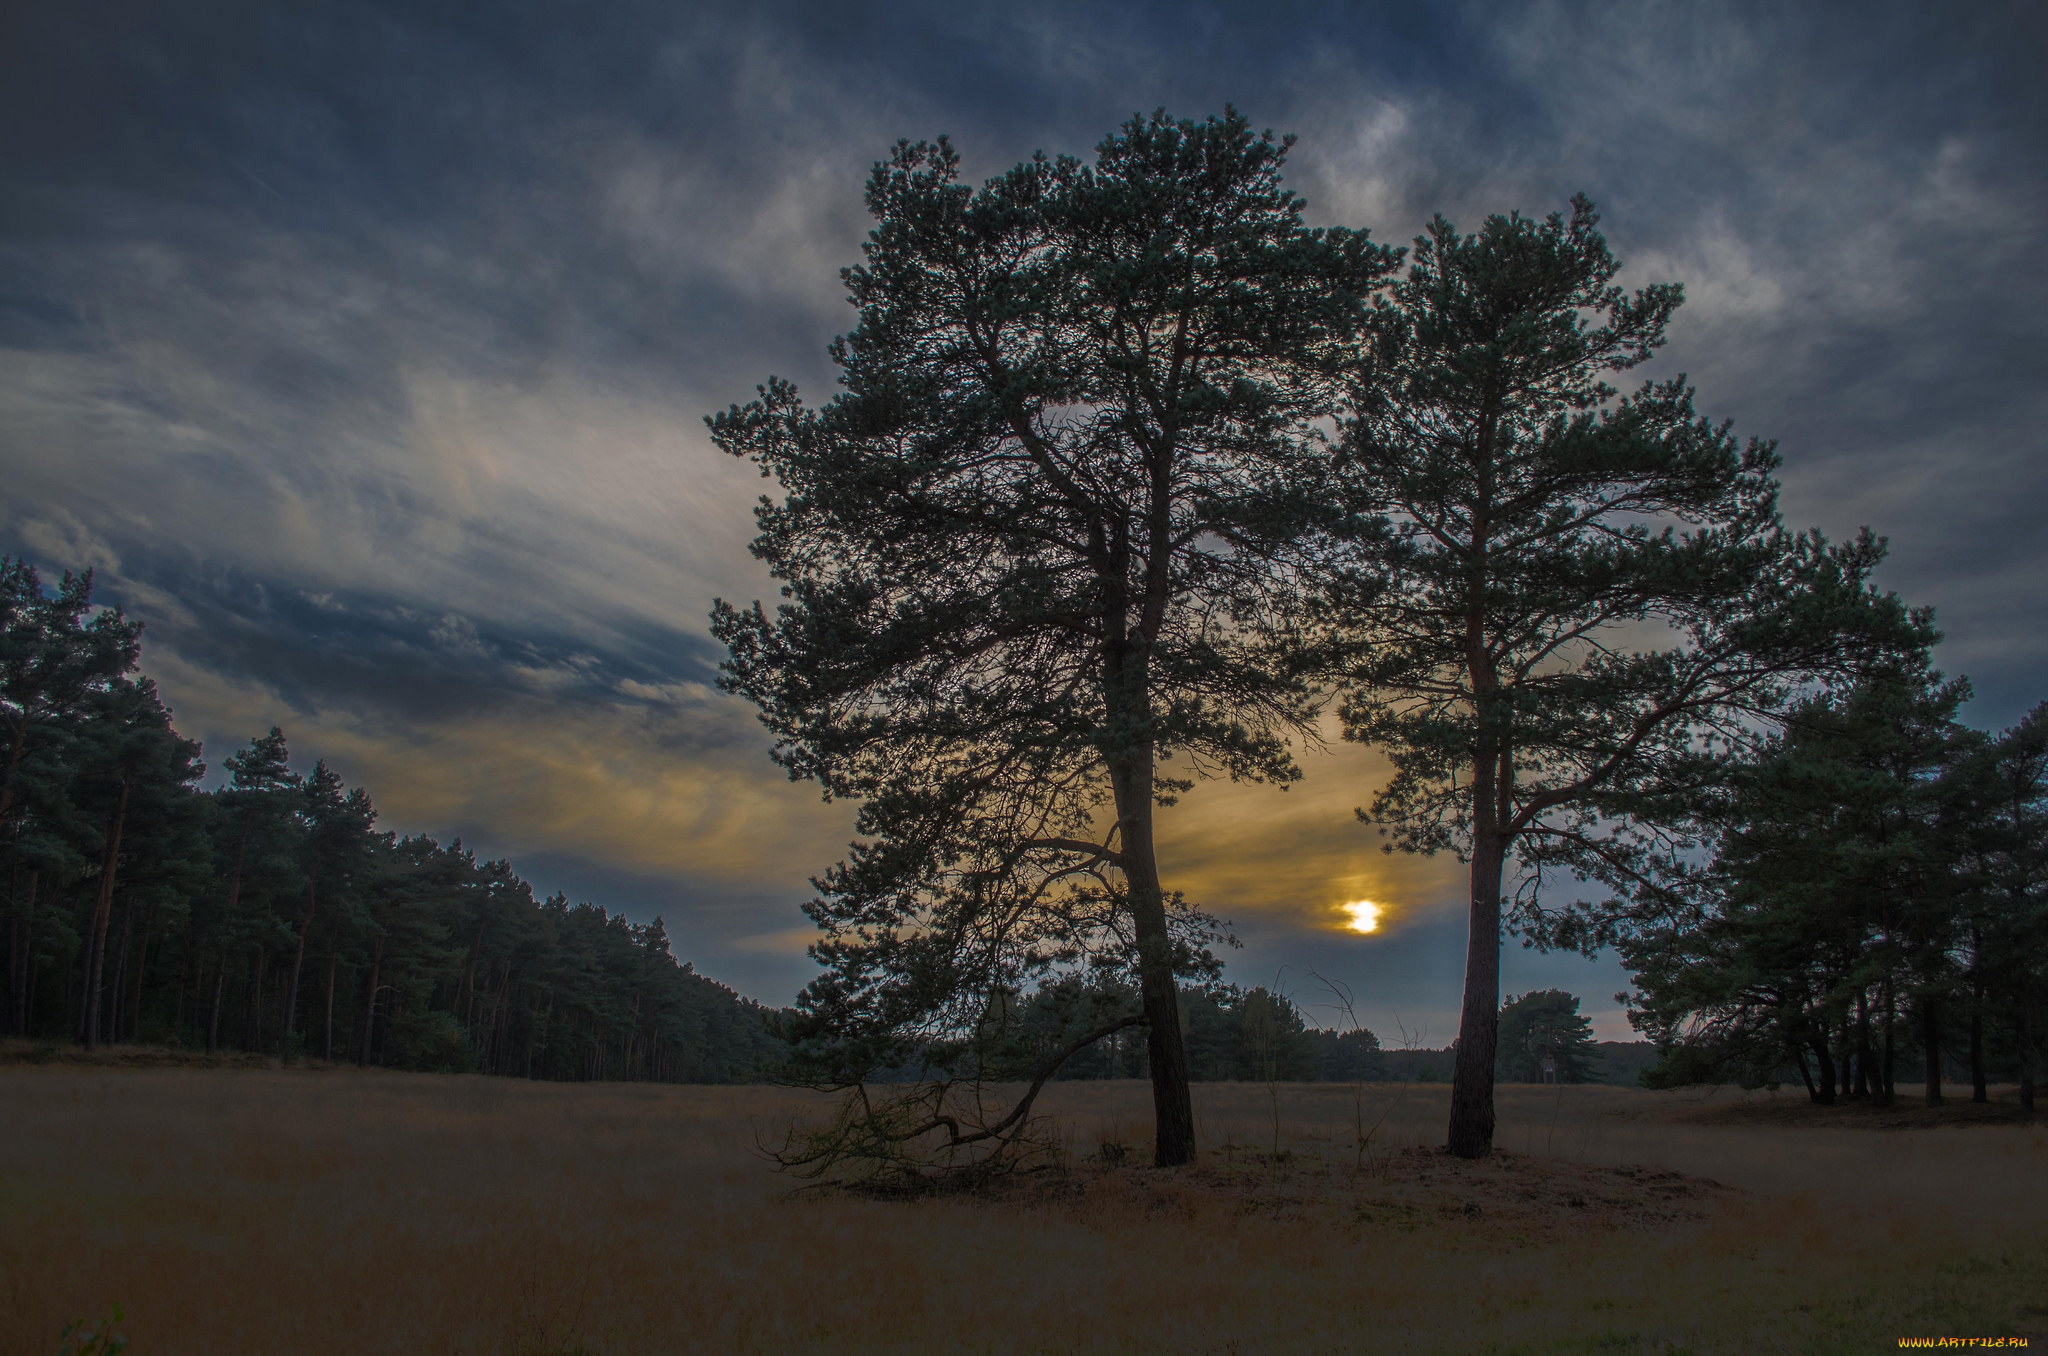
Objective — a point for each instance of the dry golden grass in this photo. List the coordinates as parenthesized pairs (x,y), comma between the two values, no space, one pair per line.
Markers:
(281,1211)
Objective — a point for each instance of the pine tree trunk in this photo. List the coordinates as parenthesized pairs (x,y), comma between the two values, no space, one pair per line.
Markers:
(1891,1049)
(2025,1033)
(291,1002)
(503,1038)
(252,1020)
(1805,1073)
(1472,1118)
(1980,1089)
(13,938)
(632,1031)
(1172,1106)
(370,1009)
(487,1040)
(27,961)
(78,979)
(469,981)
(1826,1061)
(1863,1086)
(103,907)
(537,1047)
(1930,1039)
(141,970)
(220,979)
(120,984)
(220,988)
(178,1002)
(327,1041)
(35,974)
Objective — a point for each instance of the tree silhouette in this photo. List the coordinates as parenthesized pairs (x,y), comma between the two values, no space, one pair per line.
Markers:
(1034,551)
(129,764)
(1836,900)
(1542,1036)
(258,844)
(2008,786)
(55,654)
(1572,599)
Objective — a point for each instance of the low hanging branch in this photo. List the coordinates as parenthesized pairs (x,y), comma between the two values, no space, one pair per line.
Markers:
(883,1137)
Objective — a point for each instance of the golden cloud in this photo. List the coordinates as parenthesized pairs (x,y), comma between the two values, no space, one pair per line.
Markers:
(608,783)
(604,782)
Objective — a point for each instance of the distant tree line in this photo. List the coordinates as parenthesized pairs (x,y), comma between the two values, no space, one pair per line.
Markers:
(1231,1033)
(1261,1035)
(1876,902)
(271,916)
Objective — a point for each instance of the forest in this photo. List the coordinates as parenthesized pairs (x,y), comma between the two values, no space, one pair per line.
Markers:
(1875,899)
(271,915)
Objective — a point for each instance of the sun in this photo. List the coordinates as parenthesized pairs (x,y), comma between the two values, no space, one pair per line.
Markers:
(1365,916)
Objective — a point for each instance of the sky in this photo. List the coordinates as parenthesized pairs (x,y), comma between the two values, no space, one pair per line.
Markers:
(363,351)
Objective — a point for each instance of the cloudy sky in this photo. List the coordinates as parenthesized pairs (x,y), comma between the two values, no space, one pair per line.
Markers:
(363,352)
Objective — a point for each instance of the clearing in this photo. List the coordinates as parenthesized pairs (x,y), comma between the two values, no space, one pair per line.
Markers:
(340,1211)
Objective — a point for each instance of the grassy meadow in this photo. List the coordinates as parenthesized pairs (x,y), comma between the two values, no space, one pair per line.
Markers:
(260,1211)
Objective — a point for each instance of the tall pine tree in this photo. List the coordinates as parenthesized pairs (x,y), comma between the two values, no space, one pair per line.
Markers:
(1030,555)
(1573,598)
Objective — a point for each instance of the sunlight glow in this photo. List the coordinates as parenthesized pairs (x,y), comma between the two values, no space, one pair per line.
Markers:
(1365,917)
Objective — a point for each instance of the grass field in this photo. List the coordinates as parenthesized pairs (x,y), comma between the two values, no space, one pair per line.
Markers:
(251,1211)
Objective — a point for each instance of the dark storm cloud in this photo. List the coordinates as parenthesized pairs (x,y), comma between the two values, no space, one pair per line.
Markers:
(363,348)
(342,652)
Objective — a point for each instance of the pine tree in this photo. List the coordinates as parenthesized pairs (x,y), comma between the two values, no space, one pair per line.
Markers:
(1032,553)
(258,846)
(1832,906)
(1543,1038)
(1572,598)
(336,844)
(2004,786)
(55,654)
(131,768)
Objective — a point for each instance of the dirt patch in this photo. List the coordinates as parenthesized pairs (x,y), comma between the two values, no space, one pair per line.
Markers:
(1794,1110)
(1510,1199)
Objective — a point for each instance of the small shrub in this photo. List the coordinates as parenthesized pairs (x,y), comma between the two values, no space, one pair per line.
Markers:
(429,1042)
(81,1338)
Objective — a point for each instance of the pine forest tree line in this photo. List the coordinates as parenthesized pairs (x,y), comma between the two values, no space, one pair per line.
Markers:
(271,915)
(1876,906)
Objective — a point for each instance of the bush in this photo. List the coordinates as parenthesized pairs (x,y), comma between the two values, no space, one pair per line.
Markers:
(428,1041)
